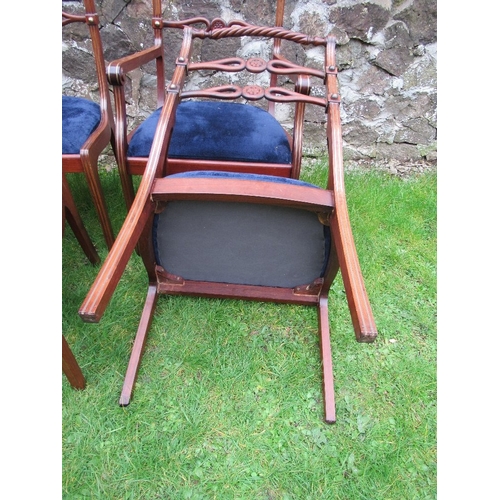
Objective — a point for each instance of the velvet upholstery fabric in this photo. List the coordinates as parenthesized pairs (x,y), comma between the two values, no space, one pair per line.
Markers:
(243,243)
(210,174)
(80,117)
(212,130)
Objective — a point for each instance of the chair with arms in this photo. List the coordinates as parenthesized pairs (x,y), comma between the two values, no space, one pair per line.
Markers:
(87,126)
(240,235)
(225,135)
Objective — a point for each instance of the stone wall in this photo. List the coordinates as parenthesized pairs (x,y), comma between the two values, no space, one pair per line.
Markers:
(386,55)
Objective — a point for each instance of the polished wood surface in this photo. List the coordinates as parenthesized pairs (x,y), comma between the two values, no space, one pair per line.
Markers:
(72,216)
(71,368)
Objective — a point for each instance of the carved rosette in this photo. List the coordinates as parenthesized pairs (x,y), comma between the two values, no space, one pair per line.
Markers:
(253,92)
(256,65)
(217,24)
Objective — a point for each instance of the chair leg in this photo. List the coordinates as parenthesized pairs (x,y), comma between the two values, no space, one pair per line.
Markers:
(127,186)
(94,183)
(326,358)
(71,368)
(139,343)
(70,213)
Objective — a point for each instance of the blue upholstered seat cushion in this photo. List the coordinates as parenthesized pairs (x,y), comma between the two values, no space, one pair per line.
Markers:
(210,174)
(80,118)
(244,243)
(223,131)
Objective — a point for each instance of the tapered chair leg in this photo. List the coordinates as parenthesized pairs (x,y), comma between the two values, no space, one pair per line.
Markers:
(326,359)
(94,183)
(71,368)
(70,213)
(139,343)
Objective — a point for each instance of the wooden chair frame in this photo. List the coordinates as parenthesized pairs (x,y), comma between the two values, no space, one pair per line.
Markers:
(87,159)
(155,190)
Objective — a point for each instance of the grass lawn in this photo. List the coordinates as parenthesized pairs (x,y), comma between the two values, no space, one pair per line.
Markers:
(228,401)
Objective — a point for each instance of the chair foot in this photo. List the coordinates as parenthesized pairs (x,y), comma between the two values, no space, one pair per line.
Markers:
(124,400)
(326,359)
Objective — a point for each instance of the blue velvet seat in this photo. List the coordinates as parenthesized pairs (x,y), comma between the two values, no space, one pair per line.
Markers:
(80,117)
(220,131)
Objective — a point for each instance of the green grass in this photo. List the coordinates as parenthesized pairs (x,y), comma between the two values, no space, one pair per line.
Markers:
(228,401)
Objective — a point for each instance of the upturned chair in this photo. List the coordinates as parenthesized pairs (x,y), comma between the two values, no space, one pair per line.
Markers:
(87,126)
(224,136)
(240,235)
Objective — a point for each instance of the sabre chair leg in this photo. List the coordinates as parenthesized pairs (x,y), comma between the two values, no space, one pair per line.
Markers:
(71,368)
(70,213)
(95,187)
(139,343)
(326,358)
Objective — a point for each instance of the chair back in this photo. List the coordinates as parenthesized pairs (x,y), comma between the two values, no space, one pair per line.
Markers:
(98,114)
(219,135)
(88,127)
(231,116)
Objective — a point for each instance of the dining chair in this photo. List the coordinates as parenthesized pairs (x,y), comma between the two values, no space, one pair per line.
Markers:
(240,234)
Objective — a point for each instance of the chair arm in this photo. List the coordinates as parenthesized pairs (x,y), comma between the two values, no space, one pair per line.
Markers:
(142,208)
(249,191)
(102,289)
(357,298)
(118,68)
(116,74)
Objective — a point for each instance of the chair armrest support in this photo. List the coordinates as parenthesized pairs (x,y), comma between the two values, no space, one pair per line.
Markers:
(118,68)
(102,289)
(357,297)
(142,208)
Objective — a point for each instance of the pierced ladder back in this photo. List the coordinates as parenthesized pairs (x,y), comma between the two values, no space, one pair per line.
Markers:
(213,129)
